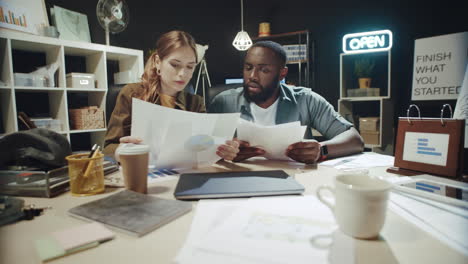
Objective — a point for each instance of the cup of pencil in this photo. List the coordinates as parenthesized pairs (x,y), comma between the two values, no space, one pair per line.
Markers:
(86,173)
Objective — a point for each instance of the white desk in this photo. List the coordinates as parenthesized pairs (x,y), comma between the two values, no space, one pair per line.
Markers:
(400,241)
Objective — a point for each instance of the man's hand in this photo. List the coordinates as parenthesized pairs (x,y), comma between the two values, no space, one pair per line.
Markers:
(306,152)
(229,150)
(246,151)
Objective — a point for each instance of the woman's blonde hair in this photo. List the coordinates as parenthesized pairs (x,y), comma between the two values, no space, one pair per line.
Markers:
(165,45)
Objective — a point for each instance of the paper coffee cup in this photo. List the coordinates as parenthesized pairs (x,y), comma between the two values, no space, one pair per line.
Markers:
(134,161)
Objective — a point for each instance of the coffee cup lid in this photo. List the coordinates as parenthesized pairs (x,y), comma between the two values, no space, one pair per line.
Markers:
(132,149)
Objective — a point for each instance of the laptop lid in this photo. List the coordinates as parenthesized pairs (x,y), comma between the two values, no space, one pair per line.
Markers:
(236,184)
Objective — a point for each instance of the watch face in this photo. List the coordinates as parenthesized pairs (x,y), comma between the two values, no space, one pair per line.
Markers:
(324,150)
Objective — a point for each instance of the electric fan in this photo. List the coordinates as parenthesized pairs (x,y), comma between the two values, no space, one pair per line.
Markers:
(113,15)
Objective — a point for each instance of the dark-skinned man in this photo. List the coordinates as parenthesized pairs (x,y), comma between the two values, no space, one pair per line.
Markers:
(265,101)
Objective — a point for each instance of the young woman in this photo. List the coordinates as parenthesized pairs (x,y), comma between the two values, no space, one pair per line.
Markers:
(166,73)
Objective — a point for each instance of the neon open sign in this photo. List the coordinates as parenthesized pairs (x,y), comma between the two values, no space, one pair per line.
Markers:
(367,41)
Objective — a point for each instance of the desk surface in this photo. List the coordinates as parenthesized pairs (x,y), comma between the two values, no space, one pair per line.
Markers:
(400,241)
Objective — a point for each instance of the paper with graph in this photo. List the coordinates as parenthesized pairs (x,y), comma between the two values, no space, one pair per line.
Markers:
(181,139)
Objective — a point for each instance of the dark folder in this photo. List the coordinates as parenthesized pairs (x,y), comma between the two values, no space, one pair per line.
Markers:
(236,184)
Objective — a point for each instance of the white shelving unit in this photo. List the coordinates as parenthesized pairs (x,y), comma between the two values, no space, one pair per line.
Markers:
(95,59)
(370,106)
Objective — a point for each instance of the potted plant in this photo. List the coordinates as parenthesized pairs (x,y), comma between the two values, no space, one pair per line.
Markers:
(363,68)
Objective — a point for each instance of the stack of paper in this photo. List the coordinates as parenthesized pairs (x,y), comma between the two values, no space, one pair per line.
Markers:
(360,161)
(288,229)
(273,139)
(447,223)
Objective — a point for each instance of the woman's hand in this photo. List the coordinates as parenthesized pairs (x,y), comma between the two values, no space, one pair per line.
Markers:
(130,139)
(229,150)
(124,140)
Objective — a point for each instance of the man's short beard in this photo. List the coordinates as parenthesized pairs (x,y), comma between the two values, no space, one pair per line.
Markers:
(265,94)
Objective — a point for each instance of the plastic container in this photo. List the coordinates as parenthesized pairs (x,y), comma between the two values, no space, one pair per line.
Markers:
(80,80)
(49,123)
(125,77)
(28,79)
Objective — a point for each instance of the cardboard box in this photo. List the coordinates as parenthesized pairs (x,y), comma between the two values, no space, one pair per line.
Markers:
(90,117)
(369,123)
(80,80)
(363,92)
(371,137)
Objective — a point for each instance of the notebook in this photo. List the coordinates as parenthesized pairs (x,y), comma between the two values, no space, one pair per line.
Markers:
(71,240)
(131,212)
(236,184)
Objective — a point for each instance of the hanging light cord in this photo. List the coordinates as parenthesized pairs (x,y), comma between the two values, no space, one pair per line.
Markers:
(242,15)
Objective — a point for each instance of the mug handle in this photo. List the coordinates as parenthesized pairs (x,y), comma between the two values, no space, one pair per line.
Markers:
(320,197)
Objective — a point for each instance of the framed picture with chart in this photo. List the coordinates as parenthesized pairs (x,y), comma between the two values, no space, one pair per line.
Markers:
(23,15)
(431,145)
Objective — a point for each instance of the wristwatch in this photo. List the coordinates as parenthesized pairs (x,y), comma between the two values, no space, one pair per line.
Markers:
(323,152)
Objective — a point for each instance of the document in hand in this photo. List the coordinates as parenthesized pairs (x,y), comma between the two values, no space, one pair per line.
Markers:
(236,184)
(273,139)
(181,139)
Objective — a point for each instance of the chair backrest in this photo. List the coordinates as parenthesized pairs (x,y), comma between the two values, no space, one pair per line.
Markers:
(111,99)
(216,89)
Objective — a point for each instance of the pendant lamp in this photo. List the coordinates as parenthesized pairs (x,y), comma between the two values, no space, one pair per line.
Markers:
(242,40)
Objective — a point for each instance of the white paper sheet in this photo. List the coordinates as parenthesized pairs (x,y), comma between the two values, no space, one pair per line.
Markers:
(181,139)
(290,229)
(461,108)
(358,161)
(273,139)
(446,223)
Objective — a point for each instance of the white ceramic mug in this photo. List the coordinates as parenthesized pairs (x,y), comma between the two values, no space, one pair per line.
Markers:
(360,203)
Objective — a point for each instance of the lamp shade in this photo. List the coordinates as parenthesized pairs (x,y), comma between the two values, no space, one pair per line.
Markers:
(201,49)
(242,41)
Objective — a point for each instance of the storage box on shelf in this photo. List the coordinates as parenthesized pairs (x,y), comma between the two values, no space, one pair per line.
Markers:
(355,103)
(49,123)
(369,123)
(80,80)
(87,118)
(72,57)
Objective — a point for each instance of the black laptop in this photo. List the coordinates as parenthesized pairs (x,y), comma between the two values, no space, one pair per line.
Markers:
(236,184)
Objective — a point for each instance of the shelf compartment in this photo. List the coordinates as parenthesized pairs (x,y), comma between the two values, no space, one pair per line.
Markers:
(383,108)
(117,62)
(82,140)
(37,55)
(380,77)
(49,103)
(87,61)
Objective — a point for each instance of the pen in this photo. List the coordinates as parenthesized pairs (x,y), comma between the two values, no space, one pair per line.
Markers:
(89,156)
(91,163)
(92,151)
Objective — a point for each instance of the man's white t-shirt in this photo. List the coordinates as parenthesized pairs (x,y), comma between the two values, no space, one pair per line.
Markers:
(262,116)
